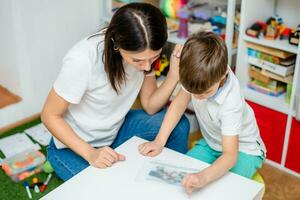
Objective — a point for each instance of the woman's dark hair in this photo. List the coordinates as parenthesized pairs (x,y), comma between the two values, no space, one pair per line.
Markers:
(134,27)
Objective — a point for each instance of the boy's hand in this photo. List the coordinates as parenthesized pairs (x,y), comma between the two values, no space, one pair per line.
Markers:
(174,62)
(104,157)
(151,148)
(195,181)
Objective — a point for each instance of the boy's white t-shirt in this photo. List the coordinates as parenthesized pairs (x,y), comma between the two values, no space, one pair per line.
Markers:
(227,113)
(96,112)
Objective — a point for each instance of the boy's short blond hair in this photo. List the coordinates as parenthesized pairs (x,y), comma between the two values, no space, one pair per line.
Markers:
(203,62)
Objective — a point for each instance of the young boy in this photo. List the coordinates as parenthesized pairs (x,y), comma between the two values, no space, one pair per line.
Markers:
(231,137)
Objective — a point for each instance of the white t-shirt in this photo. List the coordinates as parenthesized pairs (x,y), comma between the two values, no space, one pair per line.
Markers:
(96,112)
(227,113)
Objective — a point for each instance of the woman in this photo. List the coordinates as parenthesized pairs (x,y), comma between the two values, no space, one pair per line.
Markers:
(88,109)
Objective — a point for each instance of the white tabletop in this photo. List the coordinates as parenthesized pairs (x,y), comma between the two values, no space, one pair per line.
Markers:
(124,180)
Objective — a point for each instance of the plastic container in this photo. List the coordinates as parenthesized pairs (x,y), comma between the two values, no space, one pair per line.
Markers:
(23,164)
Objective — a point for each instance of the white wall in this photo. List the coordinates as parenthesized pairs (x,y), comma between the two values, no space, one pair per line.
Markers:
(37,34)
(9,76)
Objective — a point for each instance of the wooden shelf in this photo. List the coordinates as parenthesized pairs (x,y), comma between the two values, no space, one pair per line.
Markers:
(277,44)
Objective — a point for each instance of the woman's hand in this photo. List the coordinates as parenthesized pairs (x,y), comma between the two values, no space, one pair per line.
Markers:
(151,148)
(194,181)
(174,62)
(104,157)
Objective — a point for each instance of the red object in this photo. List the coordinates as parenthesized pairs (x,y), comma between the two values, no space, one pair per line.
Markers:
(272,125)
(293,157)
(256,28)
(285,33)
(43,187)
(156,64)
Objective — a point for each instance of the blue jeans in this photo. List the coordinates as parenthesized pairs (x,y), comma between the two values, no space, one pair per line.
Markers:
(67,163)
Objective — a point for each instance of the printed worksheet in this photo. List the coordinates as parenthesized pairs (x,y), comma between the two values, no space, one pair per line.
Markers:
(163,172)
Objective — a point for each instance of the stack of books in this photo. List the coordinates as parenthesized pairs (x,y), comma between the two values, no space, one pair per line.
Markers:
(271,70)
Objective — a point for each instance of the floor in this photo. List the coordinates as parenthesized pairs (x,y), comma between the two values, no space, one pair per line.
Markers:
(280,185)
(7,98)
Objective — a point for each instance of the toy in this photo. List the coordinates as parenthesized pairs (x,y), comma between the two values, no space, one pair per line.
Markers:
(160,65)
(169,7)
(47,168)
(294,36)
(219,18)
(284,32)
(273,27)
(271,31)
(183,16)
(255,29)
(204,13)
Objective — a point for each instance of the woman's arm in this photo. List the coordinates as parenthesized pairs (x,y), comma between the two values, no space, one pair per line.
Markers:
(153,98)
(52,117)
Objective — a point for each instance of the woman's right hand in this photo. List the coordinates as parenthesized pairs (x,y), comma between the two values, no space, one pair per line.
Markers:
(174,62)
(104,157)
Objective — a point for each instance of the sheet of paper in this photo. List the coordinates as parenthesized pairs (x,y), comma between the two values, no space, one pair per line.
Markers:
(16,143)
(163,172)
(40,134)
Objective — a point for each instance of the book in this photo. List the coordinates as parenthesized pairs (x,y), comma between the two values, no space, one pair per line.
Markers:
(269,50)
(266,76)
(255,73)
(270,58)
(286,79)
(254,85)
(40,134)
(277,69)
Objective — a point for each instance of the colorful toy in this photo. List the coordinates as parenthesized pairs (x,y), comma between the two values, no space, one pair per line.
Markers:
(183,16)
(203,13)
(169,7)
(161,65)
(23,164)
(294,36)
(256,29)
(272,29)
(284,32)
(274,24)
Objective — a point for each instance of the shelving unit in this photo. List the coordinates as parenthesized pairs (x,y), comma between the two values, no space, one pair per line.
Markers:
(277,44)
(261,10)
(172,38)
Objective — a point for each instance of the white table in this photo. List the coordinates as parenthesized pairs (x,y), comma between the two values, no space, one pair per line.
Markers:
(121,181)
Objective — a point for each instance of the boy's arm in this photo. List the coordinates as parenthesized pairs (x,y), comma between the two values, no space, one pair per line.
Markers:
(172,117)
(219,168)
